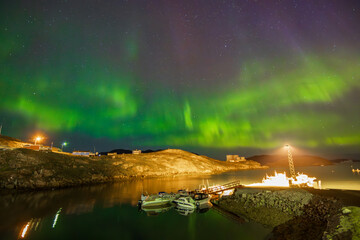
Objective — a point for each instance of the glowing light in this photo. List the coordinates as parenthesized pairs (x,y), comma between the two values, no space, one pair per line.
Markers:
(25,229)
(278,180)
(64,144)
(228,192)
(281,180)
(303,179)
(56,218)
(38,139)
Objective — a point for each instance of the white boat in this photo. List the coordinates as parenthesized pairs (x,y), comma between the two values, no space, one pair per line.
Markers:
(185,202)
(156,200)
(201,198)
(184,211)
(156,210)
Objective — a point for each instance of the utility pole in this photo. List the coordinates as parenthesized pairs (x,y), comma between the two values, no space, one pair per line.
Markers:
(0,128)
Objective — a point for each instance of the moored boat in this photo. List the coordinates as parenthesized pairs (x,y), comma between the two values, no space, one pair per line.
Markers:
(156,210)
(201,198)
(185,202)
(156,200)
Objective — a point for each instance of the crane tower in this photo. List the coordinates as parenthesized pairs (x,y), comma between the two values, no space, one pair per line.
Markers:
(291,162)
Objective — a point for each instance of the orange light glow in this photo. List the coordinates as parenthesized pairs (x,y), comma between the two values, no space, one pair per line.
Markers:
(281,180)
(38,139)
(25,229)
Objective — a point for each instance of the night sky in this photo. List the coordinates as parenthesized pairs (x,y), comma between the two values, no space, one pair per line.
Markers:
(212,77)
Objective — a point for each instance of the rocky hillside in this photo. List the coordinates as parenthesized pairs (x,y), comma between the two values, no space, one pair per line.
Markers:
(282,160)
(26,169)
(9,142)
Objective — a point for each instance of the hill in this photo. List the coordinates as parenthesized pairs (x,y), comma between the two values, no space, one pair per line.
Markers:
(126,151)
(345,160)
(28,169)
(282,160)
(10,142)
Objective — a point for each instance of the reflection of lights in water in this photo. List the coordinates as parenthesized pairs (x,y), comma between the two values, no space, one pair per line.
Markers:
(281,180)
(25,229)
(56,217)
(32,224)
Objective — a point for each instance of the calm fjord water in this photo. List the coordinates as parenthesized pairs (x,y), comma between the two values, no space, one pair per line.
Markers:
(109,211)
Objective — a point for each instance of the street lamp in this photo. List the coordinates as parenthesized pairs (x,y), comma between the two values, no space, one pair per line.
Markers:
(38,139)
(290,159)
(63,145)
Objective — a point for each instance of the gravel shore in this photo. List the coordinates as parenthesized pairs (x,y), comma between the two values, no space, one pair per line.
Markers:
(299,213)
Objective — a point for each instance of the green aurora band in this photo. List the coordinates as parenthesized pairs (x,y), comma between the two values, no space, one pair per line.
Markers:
(303,98)
(264,105)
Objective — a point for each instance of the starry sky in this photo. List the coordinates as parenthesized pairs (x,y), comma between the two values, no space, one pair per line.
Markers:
(207,76)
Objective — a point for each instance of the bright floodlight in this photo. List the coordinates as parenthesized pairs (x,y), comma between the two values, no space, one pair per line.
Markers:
(38,139)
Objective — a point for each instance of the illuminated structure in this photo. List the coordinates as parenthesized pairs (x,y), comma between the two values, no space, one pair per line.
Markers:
(83,153)
(136,151)
(235,158)
(291,162)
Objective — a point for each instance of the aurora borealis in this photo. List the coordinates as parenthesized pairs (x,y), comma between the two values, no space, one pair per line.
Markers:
(210,75)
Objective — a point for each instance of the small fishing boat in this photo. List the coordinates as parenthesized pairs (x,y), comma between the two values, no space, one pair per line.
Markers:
(185,202)
(162,198)
(201,198)
(156,210)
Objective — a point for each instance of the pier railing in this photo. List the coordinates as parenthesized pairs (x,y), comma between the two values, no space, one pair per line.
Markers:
(224,187)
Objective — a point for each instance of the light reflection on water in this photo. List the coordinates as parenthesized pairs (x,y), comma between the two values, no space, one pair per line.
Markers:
(108,211)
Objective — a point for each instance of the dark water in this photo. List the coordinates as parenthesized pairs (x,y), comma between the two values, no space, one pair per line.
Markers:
(110,211)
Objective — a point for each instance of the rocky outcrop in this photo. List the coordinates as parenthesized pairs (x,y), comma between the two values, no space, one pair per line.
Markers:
(296,213)
(267,207)
(28,169)
(347,226)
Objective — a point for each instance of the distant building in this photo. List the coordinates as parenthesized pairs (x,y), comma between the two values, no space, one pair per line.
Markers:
(37,147)
(235,158)
(83,153)
(112,154)
(136,151)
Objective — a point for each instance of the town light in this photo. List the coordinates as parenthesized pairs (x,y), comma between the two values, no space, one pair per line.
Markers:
(63,145)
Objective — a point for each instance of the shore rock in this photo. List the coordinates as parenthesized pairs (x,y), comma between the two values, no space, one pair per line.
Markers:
(270,208)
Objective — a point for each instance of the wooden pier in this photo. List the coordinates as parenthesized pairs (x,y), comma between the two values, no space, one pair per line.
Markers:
(224,187)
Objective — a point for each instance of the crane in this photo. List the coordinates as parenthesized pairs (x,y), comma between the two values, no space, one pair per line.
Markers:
(291,162)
